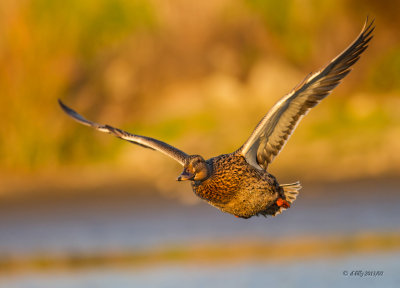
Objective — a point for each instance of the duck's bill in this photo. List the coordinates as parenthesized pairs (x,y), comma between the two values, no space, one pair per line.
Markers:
(185,176)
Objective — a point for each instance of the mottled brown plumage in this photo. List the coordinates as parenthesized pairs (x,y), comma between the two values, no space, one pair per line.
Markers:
(238,183)
(238,188)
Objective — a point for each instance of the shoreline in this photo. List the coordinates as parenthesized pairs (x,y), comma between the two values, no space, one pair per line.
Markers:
(93,181)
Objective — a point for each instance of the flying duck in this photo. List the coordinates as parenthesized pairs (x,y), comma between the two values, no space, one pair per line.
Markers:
(238,183)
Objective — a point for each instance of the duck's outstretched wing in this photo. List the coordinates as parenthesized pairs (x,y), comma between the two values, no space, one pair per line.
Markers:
(273,131)
(143,141)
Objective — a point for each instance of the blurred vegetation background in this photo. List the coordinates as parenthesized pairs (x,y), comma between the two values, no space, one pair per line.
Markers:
(198,75)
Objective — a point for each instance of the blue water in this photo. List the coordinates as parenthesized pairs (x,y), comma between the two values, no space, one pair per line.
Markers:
(119,221)
(307,274)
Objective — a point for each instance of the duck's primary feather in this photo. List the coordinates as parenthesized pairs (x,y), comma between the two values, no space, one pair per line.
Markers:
(143,141)
(274,130)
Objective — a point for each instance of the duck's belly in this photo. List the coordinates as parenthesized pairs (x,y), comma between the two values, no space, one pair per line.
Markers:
(237,188)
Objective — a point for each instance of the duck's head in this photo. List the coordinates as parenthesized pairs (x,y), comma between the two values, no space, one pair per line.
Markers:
(195,169)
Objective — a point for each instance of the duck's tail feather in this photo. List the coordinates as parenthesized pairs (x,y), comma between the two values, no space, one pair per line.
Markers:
(291,191)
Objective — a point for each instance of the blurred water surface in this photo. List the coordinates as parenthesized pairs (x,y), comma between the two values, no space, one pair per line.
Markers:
(309,273)
(121,220)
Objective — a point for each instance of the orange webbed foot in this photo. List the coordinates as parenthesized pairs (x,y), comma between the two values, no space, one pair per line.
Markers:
(282,203)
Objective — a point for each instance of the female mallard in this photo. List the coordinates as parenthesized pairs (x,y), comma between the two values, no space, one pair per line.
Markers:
(238,183)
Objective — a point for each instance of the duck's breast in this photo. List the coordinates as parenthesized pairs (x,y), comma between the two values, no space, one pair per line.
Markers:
(232,178)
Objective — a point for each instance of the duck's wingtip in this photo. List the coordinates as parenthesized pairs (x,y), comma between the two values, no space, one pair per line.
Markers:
(64,107)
